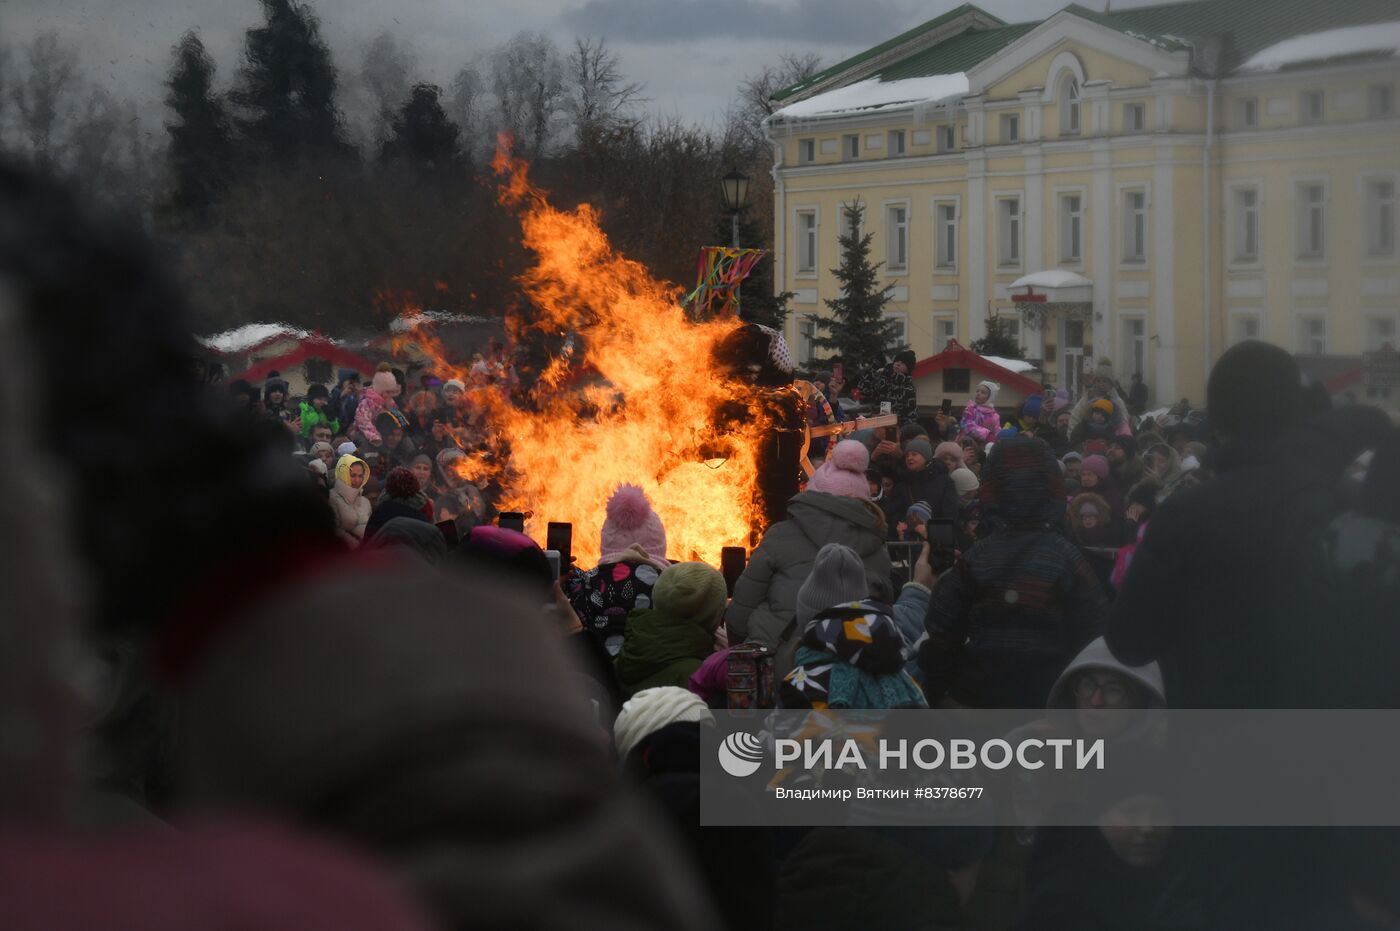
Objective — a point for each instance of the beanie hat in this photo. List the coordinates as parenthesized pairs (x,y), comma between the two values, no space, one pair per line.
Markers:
(385,424)
(401,483)
(652,709)
(631,520)
(346,449)
(1032,406)
(1103,404)
(1071,455)
(844,472)
(1096,464)
(1254,390)
(911,430)
(318,466)
(384,381)
(921,511)
(454,383)
(992,388)
(921,446)
(965,480)
(838,577)
(274,384)
(1007,433)
(949,448)
(317,448)
(865,438)
(344,375)
(907,357)
(1127,442)
(691,591)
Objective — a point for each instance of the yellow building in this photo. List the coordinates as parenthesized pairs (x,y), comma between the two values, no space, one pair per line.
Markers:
(1146,186)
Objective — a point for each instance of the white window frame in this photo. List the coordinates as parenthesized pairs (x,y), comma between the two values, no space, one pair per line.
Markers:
(1125,218)
(1301,319)
(1009,128)
(896,144)
(1071,98)
(1131,125)
(1125,370)
(1302,220)
(1370,216)
(893,269)
(939,340)
(1019,238)
(1240,314)
(1375,108)
(806,332)
(807,151)
(946,135)
(1064,229)
(1247,113)
(807,239)
(1371,314)
(1305,115)
(849,152)
(903,317)
(940,267)
(1233,255)
(1030,339)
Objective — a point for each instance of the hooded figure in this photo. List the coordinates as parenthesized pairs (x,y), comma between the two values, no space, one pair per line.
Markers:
(351,507)
(980,419)
(634,551)
(665,644)
(765,597)
(1011,613)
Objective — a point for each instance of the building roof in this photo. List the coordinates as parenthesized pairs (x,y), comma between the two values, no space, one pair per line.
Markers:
(1222,36)
(954,356)
(312,348)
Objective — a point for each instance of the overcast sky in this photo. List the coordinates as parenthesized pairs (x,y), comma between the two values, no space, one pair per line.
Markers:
(690,54)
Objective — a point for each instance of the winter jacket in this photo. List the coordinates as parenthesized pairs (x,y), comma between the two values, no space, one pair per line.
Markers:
(933,485)
(659,649)
(603,596)
(851,656)
(888,385)
(765,597)
(372,404)
(310,417)
(416,508)
(980,421)
(351,508)
(910,609)
(1006,619)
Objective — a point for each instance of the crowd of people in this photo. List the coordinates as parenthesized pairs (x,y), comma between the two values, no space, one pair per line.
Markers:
(300,621)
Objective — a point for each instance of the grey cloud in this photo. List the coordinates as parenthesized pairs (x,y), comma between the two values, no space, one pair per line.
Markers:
(822,21)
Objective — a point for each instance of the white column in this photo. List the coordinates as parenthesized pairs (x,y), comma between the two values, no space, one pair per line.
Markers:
(976,251)
(1032,220)
(1163,324)
(1104,264)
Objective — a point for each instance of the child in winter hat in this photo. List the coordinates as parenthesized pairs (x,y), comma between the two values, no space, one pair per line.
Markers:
(691,591)
(652,709)
(844,472)
(632,521)
(838,577)
(966,482)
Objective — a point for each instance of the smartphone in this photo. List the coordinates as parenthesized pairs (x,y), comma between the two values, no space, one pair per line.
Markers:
(838,372)
(511,520)
(887,407)
(941,533)
(448,528)
(560,538)
(947,406)
(732,560)
(554,563)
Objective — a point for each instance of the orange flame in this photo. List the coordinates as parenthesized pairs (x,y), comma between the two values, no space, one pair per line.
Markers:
(644,413)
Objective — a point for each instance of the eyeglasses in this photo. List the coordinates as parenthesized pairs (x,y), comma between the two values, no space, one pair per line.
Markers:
(1111,689)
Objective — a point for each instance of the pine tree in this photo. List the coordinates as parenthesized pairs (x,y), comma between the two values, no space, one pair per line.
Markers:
(421,133)
(286,87)
(858,332)
(997,342)
(201,142)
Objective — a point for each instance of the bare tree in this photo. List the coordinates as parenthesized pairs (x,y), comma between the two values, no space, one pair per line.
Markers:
(527,80)
(600,96)
(383,82)
(464,105)
(754,102)
(45,92)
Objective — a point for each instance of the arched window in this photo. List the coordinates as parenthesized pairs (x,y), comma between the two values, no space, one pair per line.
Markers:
(1069,105)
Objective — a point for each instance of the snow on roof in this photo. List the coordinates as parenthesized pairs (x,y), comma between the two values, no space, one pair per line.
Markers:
(1052,278)
(874,95)
(249,335)
(1019,366)
(406,323)
(1383,38)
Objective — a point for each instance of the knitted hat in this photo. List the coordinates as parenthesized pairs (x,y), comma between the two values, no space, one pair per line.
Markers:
(911,430)
(1032,406)
(345,375)
(948,448)
(318,448)
(454,383)
(921,446)
(1071,455)
(317,391)
(965,480)
(274,384)
(691,591)
(1103,404)
(991,387)
(838,577)
(384,382)
(1007,433)
(920,511)
(652,709)
(1254,390)
(1098,465)
(1088,509)
(907,357)
(630,520)
(844,472)
(346,449)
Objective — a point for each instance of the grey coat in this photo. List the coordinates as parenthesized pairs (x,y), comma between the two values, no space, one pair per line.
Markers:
(765,597)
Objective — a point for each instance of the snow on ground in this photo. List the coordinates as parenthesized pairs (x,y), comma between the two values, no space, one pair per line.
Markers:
(1019,366)
(874,94)
(1331,43)
(249,335)
(1052,278)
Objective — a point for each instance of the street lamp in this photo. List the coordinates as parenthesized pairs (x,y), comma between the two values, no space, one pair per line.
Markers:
(736,195)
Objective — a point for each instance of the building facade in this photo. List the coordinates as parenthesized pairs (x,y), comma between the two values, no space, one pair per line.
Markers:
(1147,186)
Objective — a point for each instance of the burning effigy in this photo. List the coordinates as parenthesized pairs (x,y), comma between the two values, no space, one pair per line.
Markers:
(636,392)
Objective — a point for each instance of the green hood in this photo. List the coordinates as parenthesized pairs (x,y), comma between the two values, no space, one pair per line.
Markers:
(660,650)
